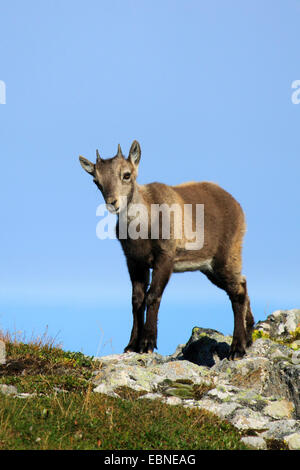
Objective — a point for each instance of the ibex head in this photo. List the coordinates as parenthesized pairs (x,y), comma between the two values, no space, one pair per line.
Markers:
(115,177)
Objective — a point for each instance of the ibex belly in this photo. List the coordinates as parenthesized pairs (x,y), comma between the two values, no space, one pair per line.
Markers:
(196,265)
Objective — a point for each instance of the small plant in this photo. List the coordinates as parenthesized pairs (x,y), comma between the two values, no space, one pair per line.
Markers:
(289,342)
(258,334)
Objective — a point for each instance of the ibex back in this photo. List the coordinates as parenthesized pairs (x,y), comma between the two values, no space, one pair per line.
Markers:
(218,257)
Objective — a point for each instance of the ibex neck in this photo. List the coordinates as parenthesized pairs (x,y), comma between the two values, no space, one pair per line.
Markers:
(136,197)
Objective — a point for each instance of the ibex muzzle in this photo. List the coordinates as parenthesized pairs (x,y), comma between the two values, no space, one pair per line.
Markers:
(218,257)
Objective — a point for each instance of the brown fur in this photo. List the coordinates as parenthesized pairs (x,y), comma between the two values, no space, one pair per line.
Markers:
(219,258)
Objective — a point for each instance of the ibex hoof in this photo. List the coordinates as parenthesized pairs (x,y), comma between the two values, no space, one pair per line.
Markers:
(237,351)
(147,345)
(131,347)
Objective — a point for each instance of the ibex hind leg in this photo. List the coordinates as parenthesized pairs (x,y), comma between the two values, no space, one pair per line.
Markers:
(235,286)
(243,318)
(240,295)
(249,320)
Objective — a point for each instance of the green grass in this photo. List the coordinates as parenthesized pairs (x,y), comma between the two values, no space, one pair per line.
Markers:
(64,413)
(93,421)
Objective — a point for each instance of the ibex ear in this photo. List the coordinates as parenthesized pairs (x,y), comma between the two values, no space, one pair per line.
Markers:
(135,153)
(87,165)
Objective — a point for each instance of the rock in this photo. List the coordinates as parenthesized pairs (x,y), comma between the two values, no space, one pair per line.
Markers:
(293,441)
(173,401)
(280,428)
(265,347)
(268,369)
(279,409)
(8,389)
(152,396)
(295,345)
(12,390)
(281,324)
(255,441)
(295,358)
(286,376)
(246,418)
(206,347)
(222,410)
(259,392)
(247,373)
(2,353)
(146,372)
(221,394)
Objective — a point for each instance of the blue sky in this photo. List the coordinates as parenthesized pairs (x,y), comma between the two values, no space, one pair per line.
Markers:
(205,86)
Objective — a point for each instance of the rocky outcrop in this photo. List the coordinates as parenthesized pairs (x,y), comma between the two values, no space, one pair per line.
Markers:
(258,394)
(282,325)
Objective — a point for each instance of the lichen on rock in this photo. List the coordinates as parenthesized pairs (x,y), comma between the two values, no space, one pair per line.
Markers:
(258,393)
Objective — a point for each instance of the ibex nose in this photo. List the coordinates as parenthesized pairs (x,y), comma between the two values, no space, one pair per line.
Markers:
(112,203)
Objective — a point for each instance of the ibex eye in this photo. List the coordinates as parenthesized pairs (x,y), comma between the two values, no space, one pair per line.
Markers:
(126,176)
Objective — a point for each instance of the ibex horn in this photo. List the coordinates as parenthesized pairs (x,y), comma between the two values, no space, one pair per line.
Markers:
(119,151)
(98,156)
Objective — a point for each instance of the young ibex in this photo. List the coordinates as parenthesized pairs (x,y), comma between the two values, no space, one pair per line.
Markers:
(219,258)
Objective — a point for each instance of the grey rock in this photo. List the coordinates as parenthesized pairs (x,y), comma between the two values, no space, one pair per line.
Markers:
(151,396)
(289,378)
(221,394)
(279,429)
(8,389)
(173,401)
(255,441)
(280,324)
(295,357)
(224,410)
(12,390)
(267,348)
(293,441)
(279,409)
(2,353)
(245,418)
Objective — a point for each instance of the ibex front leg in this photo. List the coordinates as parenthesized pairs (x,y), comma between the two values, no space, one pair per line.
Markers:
(139,276)
(162,271)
